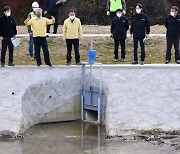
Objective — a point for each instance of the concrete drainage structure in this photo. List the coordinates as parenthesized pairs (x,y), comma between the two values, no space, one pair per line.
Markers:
(30,95)
(51,101)
(137,97)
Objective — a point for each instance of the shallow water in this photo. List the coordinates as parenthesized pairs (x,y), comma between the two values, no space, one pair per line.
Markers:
(76,138)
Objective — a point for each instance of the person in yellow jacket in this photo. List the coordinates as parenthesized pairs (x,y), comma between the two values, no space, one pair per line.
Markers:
(39,25)
(72,32)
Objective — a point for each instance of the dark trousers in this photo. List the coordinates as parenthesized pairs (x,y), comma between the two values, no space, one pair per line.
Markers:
(38,43)
(6,42)
(31,43)
(116,47)
(142,44)
(69,44)
(56,16)
(171,42)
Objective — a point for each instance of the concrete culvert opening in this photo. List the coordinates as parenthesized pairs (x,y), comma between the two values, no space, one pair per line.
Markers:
(91,115)
(53,101)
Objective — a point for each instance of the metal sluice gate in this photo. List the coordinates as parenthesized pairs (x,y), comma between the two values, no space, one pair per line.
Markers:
(93,98)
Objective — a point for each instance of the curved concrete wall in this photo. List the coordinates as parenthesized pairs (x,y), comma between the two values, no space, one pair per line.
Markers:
(30,95)
(138,97)
(52,100)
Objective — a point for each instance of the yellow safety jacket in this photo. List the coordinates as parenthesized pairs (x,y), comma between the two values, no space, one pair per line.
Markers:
(31,15)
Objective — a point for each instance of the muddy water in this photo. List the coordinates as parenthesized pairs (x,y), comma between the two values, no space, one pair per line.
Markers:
(76,138)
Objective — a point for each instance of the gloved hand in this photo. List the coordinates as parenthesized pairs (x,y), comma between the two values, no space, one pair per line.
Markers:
(124,12)
(108,13)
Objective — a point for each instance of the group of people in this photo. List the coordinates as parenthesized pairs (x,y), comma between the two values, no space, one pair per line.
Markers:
(140,29)
(39,28)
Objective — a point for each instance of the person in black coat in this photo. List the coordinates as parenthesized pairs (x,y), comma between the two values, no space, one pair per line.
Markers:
(173,34)
(7,31)
(51,8)
(140,29)
(119,29)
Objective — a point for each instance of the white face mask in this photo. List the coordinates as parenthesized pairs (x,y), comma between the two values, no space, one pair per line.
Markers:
(172,14)
(72,17)
(8,14)
(34,9)
(138,11)
(119,15)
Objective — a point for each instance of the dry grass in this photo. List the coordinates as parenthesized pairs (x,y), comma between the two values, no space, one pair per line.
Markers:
(155,51)
(155,48)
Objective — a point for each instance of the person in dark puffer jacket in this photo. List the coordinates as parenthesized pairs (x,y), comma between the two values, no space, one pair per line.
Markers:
(173,34)
(7,31)
(119,29)
(140,29)
(51,8)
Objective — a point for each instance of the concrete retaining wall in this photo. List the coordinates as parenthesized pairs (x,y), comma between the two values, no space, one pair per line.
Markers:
(142,97)
(138,97)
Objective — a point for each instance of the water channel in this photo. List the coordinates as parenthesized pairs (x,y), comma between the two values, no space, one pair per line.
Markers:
(76,138)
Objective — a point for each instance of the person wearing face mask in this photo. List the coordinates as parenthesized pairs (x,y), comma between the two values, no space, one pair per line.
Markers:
(119,29)
(173,34)
(32,15)
(72,32)
(7,31)
(113,5)
(39,25)
(140,29)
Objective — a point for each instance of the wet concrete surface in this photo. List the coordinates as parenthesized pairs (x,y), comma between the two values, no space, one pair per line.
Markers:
(77,138)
